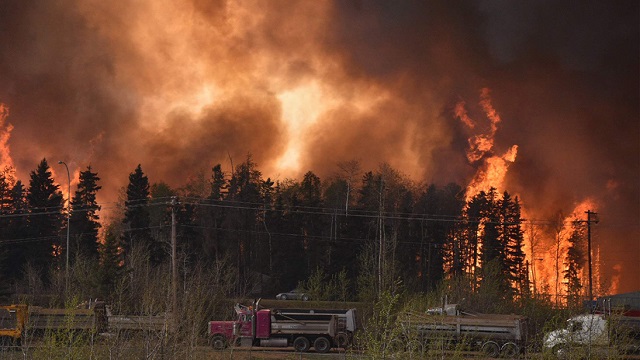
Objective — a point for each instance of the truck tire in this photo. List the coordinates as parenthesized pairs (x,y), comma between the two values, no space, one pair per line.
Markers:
(218,342)
(510,350)
(301,344)
(322,345)
(491,349)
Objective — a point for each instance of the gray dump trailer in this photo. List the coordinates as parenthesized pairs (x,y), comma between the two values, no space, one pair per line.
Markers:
(494,334)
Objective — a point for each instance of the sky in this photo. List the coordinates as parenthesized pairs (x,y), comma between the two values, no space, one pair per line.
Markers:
(550,88)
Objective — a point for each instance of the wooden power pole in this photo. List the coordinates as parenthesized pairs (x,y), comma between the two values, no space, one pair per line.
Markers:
(589,221)
(174,268)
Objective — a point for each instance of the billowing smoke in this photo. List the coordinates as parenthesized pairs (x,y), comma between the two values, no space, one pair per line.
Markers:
(302,85)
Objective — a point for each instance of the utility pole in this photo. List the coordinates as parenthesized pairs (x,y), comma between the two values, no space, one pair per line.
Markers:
(595,221)
(174,268)
(66,268)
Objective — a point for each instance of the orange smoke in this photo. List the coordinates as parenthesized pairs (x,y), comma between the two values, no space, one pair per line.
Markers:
(303,86)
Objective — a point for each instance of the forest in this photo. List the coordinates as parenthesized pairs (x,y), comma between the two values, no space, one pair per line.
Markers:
(350,237)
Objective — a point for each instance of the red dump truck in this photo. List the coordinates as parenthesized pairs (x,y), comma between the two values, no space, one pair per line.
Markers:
(300,328)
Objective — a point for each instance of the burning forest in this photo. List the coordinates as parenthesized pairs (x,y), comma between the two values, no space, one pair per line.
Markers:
(422,141)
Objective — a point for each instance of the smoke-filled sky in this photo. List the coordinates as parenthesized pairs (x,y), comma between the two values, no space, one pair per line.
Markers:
(302,85)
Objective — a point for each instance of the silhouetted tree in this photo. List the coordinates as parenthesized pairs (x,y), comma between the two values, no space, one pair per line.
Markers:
(312,223)
(242,220)
(441,209)
(6,205)
(85,221)
(512,236)
(137,219)
(110,262)
(45,219)
(574,262)
(211,217)
(287,263)
(16,232)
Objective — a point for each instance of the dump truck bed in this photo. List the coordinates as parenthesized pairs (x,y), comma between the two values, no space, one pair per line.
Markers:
(494,326)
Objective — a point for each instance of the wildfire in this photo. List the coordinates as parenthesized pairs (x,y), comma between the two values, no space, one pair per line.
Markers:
(546,248)
(493,168)
(6,163)
(549,257)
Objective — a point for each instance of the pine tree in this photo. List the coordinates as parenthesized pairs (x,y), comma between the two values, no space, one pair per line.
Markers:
(513,239)
(45,220)
(211,217)
(288,264)
(110,262)
(310,201)
(574,262)
(439,246)
(16,232)
(242,219)
(137,220)
(6,184)
(85,222)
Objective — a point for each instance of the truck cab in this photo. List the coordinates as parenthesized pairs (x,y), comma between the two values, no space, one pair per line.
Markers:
(224,333)
(594,333)
(588,329)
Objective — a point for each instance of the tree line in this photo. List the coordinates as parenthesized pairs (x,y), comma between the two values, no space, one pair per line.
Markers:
(349,237)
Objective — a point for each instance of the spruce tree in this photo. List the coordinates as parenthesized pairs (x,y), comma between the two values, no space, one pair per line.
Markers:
(5,211)
(210,218)
(110,260)
(242,219)
(45,219)
(310,202)
(137,220)
(84,216)
(16,234)
(512,237)
(574,262)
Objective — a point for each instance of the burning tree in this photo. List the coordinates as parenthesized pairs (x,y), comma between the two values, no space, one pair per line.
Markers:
(85,221)
(574,262)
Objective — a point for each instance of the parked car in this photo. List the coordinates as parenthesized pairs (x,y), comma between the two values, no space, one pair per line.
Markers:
(293,295)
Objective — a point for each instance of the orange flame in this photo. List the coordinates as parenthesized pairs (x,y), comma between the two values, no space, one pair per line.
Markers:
(493,169)
(6,163)
(553,249)
(461,112)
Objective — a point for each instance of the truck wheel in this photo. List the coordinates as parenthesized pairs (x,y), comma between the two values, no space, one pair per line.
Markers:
(301,344)
(322,344)
(491,349)
(218,342)
(510,350)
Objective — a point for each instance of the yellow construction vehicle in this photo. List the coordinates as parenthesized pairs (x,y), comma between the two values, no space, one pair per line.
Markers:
(13,319)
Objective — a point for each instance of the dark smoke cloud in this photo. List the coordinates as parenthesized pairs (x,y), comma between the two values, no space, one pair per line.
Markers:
(116,84)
